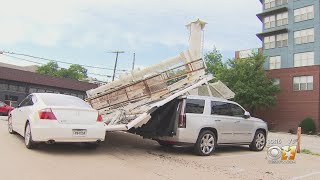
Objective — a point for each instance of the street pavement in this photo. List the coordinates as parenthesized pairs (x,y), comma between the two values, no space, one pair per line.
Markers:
(127,156)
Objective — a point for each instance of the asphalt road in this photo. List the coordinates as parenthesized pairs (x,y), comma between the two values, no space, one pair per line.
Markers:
(127,156)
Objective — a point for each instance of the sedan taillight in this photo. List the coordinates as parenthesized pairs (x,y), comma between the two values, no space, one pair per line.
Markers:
(47,114)
(99,118)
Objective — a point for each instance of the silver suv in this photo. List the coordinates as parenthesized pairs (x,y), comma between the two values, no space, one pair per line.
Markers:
(207,122)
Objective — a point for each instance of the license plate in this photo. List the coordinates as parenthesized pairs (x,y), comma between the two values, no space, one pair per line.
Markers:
(79,132)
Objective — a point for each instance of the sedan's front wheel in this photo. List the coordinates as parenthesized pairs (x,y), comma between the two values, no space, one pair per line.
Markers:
(10,127)
(28,137)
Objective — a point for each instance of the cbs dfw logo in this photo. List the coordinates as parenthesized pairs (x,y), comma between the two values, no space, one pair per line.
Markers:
(285,154)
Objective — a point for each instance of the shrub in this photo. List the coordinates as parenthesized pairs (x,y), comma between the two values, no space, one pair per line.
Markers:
(291,131)
(308,126)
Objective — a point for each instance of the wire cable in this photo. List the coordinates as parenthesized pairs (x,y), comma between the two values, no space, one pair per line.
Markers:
(64,62)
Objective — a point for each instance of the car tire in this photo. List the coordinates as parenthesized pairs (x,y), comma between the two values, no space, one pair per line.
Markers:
(206,143)
(259,141)
(10,127)
(165,143)
(30,144)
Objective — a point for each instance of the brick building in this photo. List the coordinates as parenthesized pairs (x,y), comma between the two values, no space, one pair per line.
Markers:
(16,84)
(291,42)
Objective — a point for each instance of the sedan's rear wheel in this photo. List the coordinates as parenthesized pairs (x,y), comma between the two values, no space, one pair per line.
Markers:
(206,143)
(10,127)
(28,137)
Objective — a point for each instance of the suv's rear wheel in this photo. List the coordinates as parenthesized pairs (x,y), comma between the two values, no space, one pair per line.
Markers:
(206,143)
(259,141)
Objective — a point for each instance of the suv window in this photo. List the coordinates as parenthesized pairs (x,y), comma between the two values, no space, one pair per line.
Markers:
(236,110)
(195,106)
(220,108)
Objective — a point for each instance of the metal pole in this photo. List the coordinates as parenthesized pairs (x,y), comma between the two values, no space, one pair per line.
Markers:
(115,63)
(115,66)
(134,59)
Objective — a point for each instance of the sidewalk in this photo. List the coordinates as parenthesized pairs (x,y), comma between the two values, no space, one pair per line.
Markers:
(310,142)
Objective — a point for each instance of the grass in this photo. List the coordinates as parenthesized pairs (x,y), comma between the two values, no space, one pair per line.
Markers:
(307,151)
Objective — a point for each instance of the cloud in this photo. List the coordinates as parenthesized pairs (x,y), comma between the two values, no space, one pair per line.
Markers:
(79,29)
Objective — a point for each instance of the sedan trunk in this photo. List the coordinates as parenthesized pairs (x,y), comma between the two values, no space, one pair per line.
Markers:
(75,115)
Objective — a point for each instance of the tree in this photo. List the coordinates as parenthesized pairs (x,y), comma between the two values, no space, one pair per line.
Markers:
(214,62)
(51,68)
(75,71)
(246,78)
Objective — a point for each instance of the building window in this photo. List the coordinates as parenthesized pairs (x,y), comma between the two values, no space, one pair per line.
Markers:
(4,86)
(13,88)
(269,22)
(282,40)
(281,2)
(269,4)
(304,36)
(302,83)
(269,42)
(275,62)
(303,14)
(32,90)
(282,19)
(276,81)
(41,91)
(303,59)
(22,89)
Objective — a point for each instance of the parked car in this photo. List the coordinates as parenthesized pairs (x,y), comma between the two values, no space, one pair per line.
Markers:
(50,118)
(5,109)
(207,122)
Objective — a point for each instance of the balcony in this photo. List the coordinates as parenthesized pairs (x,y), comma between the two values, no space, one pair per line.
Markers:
(274,31)
(272,11)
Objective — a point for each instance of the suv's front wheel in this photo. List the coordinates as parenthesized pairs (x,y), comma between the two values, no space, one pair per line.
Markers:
(206,143)
(259,141)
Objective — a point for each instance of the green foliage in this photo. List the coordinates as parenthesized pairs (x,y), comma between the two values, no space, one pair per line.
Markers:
(246,78)
(307,151)
(214,62)
(51,68)
(75,71)
(308,126)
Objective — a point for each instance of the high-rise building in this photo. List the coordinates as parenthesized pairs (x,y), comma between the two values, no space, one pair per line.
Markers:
(291,43)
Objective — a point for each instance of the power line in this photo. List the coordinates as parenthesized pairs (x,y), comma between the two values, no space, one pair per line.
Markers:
(64,62)
(109,76)
(21,59)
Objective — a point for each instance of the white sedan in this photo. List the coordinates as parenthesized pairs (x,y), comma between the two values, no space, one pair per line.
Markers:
(50,118)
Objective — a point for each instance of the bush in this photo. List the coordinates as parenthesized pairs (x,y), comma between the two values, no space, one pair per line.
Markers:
(308,126)
(291,131)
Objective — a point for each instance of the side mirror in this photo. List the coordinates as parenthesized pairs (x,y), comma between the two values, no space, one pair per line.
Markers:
(246,115)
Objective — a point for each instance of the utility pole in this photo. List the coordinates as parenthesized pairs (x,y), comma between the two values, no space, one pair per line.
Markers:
(134,59)
(116,62)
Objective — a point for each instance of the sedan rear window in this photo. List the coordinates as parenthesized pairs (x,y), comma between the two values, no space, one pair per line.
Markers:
(195,106)
(64,100)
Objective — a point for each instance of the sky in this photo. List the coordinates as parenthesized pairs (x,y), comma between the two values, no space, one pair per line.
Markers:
(85,32)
